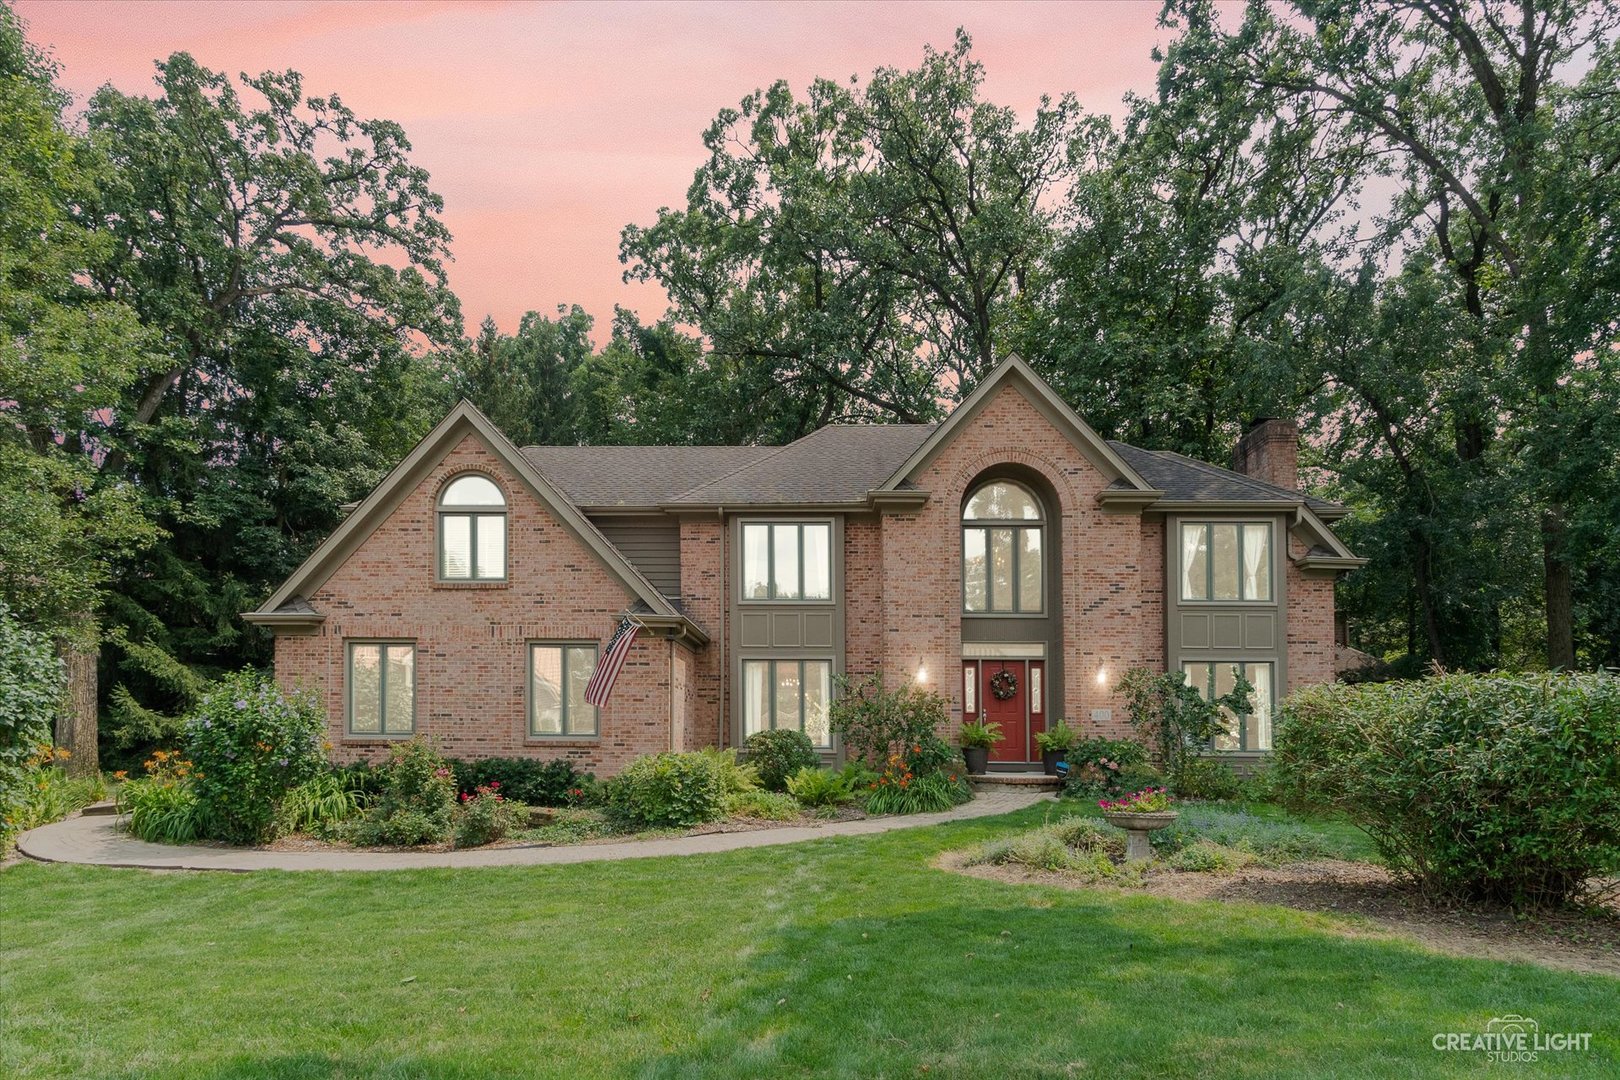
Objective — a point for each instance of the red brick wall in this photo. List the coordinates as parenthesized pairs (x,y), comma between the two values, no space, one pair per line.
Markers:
(863,595)
(1310,624)
(703,596)
(1102,575)
(470,640)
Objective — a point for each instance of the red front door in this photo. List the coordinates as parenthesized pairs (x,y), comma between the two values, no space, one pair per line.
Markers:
(1012,711)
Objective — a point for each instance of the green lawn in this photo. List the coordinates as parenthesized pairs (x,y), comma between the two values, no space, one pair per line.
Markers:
(840,957)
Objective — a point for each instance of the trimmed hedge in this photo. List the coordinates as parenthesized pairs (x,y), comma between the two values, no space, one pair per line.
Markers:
(780,754)
(1495,787)
(525,780)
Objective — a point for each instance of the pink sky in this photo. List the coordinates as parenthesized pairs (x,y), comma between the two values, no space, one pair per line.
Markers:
(549,127)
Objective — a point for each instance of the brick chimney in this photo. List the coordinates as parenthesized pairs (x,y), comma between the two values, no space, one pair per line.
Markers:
(1269,451)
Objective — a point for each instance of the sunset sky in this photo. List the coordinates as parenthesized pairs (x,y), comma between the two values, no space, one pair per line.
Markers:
(549,127)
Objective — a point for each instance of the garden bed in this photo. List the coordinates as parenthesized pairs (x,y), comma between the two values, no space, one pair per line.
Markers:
(1261,860)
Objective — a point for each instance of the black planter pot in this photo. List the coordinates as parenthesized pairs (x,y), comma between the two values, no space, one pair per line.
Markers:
(1050,759)
(977,758)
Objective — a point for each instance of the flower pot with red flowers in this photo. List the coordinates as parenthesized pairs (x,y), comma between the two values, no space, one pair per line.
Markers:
(1139,814)
(977,739)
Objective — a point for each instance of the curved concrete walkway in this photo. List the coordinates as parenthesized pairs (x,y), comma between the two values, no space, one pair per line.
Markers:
(97,841)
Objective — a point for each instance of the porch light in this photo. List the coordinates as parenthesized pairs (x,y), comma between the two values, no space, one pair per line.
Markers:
(922,674)
(1102,675)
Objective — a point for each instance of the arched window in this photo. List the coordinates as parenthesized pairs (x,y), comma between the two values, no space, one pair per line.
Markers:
(472,530)
(1002,545)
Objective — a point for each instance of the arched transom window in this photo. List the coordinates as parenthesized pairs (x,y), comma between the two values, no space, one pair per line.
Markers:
(472,530)
(1002,534)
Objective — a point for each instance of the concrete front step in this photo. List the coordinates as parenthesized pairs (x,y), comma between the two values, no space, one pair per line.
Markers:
(1016,781)
(100,809)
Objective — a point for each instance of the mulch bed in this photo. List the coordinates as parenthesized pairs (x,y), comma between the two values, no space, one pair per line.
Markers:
(1373,901)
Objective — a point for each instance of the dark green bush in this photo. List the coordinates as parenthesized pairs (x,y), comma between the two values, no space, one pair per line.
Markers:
(525,780)
(415,801)
(780,754)
(666,791)
(1205,778)
(31,684)
(875,722)
(1492,787)
(1099,767)
(249,744)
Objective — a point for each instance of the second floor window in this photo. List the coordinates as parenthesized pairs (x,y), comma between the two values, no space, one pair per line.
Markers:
(472,531)
(1002,533)
(1225,561)
(787,561)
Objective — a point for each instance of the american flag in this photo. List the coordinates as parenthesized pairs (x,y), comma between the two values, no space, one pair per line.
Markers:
(613,657)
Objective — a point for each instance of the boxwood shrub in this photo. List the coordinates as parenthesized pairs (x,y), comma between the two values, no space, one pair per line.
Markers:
(1496,787)
(666,791)
(780,754)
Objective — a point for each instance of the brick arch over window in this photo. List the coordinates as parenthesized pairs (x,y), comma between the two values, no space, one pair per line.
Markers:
(1048,480)
(1040,538)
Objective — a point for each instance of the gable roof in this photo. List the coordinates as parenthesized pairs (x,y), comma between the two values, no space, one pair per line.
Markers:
(287,606)
(834,465)
(621,477)
(1185,479)
(1013,371)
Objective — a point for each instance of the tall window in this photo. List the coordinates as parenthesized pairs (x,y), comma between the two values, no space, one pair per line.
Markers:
(787,561)
(1250,730)
(1225,561)
(558,675)
(1001,562)
(788,694)
(472,531)
(382,688)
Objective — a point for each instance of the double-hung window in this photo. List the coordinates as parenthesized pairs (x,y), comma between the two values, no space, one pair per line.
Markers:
(558,675)
(1225,561)
(1215,678)
(787,561)
(381,688)
(791,694)
(472,531)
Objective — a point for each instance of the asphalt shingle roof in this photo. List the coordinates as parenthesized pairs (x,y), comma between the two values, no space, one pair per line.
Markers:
(636,475)
(835,464)
(1184,478)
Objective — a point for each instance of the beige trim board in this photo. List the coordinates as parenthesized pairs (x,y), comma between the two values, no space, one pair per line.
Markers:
(1004,650)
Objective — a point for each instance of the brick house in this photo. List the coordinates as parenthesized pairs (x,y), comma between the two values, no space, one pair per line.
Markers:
(468,597)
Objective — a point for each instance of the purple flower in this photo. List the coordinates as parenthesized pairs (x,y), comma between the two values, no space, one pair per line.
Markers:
(241,703)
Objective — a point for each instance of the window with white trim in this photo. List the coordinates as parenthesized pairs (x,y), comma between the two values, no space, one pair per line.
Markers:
(1216,678)
(787,560)
(788,694)
(381,679)
(1225,561)
(472,530)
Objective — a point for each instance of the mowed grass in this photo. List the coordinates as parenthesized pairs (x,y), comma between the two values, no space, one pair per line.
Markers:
(844,957)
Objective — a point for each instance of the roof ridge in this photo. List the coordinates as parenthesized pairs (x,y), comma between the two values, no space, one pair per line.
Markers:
(741,468)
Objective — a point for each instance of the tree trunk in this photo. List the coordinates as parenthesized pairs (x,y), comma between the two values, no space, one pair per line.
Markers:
(1560,592)
(1425,591)
(76,731)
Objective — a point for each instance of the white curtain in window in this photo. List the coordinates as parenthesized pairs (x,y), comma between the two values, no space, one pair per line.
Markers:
(1194,584)
(1256,562)
(756,710)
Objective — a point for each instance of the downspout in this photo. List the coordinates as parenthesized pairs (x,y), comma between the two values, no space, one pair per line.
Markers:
(722,629)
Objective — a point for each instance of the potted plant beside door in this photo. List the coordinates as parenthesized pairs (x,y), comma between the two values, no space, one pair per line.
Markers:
(977,739)
(1055,742)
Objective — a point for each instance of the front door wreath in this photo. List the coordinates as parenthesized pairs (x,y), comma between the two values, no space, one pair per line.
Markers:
(1003,685)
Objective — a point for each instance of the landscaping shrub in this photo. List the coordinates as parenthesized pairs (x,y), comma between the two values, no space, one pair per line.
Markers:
(415,801)
(50,794)
(1495,787)
(1076,844)
(780,754)
(486,815)
(763,805)
(1173,716)
(1098,766)
(875,722)
(1269,842)
(899,789)
(1204,857)
(736,777)
(249,745)
(820,787)
(1207,779)
(31,685)
(666,791)
(524,780)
